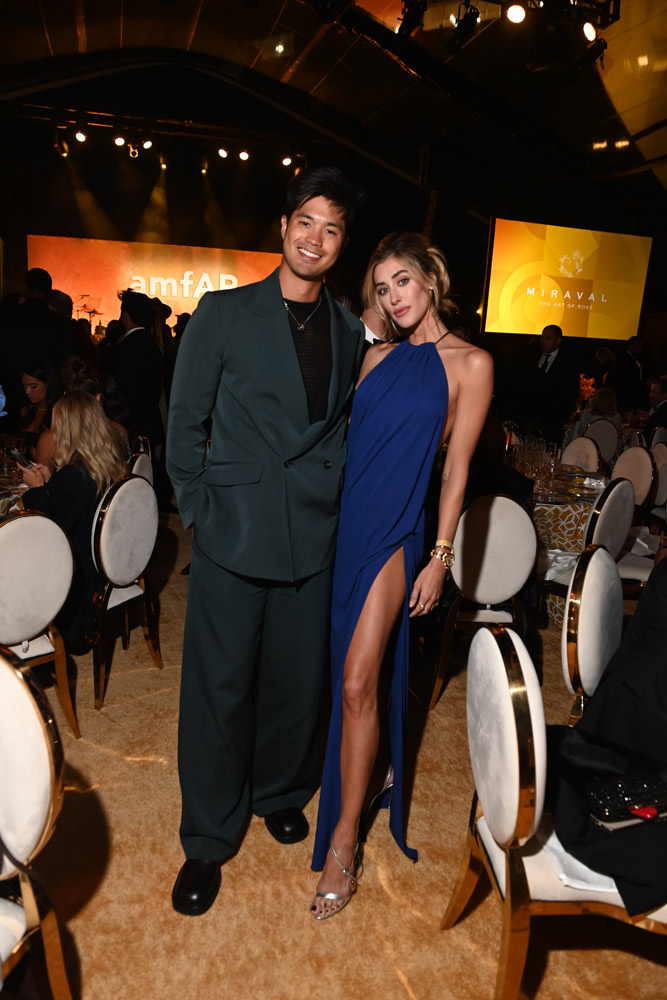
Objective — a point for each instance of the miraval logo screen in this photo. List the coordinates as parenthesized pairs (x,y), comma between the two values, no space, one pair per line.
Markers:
(588,281)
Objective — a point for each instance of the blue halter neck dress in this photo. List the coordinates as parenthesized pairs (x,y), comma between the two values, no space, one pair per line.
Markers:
(398,416)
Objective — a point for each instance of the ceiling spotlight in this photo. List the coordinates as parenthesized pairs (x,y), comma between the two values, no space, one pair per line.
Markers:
(622,143)
(280,48)
(61,147)
(466,24)
(133,151)
(287,161)
(163,165)
(244,155)
(516,13)
(590,31)
(412,16)
(147,143)
(594,52)
(204,166)
(600,145)
(80,135)
(119,140)
(222,152)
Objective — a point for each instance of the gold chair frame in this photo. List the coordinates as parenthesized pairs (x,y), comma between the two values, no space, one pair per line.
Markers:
(518,906)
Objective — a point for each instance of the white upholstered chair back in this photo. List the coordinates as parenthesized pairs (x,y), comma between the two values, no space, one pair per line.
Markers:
(611,517)
(659,436)
(141,465)
(31,766)
(605,434)
(37,568)
(506,734)
(592,624)
(496,547)
(659,451)
(582,452)
(638,465)
(125,529)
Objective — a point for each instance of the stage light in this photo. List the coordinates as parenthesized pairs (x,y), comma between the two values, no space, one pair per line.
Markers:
(147,144)
(163,165)
(621,143)
(280,48)
(600,145)
(516,13)
(119,140)
(222,153)
(466,25)
(132,150)
(590,31)
(594,52)
(204,166)
(80,135)
(287,161)
(412,16)
(244,155)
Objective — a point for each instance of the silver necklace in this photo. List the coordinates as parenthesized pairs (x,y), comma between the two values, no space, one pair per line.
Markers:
(302,326)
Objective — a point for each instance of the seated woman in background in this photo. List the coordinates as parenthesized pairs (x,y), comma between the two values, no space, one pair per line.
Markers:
(78,376)
(42,388)
(87,459)
(602,404)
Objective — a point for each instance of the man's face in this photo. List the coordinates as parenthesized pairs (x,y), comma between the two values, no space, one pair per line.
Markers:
(549,341)
(654,394)
(313,238)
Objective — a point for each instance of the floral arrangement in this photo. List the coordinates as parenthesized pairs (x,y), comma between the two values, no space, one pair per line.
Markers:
(586,388)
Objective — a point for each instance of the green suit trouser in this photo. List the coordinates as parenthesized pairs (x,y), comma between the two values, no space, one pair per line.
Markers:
(254,660)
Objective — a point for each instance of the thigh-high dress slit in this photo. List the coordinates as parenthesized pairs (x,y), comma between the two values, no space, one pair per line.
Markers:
(398,415)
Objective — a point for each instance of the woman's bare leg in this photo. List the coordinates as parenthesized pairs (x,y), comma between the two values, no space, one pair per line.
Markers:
(360,728)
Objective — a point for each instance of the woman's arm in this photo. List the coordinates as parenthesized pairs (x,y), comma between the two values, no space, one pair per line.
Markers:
(474,397)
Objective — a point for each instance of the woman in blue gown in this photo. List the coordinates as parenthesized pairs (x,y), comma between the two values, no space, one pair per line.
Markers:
(421,389)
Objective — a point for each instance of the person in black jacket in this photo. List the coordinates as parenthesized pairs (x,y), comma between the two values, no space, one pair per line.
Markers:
(138,365)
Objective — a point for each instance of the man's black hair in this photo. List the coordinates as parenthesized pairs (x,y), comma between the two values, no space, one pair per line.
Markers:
(324,182)
(138,307)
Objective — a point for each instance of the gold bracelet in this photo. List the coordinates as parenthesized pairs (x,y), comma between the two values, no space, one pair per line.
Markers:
(444,543)
(445,555)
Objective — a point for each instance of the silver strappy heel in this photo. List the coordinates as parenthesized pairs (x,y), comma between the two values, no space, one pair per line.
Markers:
(336,897)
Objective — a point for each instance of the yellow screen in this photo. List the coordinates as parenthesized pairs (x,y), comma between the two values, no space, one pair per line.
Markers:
(589,283)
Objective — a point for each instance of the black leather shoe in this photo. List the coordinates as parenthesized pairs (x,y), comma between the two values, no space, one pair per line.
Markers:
(287,826)
(196,887)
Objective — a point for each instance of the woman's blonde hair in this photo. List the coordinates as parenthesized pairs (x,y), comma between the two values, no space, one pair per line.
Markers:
(84,437)
(423,262)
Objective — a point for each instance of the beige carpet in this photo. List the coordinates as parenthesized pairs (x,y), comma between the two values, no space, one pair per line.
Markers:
(113,858)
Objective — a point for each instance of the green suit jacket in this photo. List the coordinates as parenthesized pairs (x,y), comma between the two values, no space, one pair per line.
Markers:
(264,498)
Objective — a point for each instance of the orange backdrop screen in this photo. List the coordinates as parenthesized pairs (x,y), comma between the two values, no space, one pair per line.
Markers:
(94,271)
(589,283)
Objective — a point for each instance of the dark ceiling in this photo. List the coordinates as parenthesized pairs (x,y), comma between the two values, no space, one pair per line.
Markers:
(510,125)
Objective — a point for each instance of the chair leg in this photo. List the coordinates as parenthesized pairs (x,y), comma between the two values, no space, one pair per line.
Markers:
(445,652)
(149,624)
(516,932)
(62,681)
(36,901)
(100,672)
(125,635)
(468,877)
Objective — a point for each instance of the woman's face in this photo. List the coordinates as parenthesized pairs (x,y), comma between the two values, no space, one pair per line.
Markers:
(403,298)
(34,389)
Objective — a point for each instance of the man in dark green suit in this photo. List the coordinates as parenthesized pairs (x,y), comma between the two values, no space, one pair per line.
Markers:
(265,372)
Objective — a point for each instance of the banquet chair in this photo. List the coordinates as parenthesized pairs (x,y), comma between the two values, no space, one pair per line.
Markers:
(123,538)
(31,795)
(509,836)
(659,452)
(141,465)
(37,570)
(638,465)
(592,624)
(584,453)
(659,436)
(608,524)
(496,547)
(605,434)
